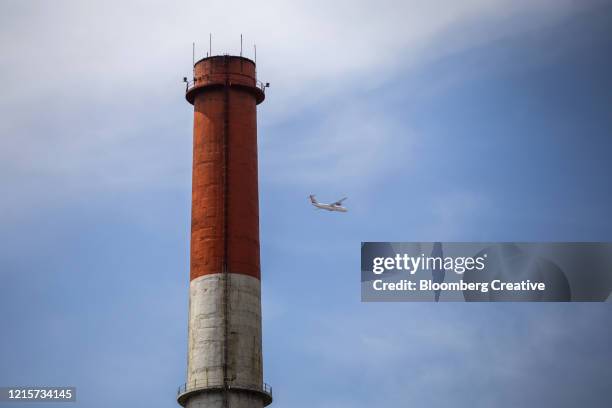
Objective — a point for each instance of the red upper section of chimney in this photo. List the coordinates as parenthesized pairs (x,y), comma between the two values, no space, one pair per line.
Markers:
(225,202)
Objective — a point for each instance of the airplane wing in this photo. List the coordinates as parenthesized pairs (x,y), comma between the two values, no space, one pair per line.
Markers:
(339,202)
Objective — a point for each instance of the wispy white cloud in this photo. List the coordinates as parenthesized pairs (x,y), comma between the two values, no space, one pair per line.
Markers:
(351,145)
(92,97)
(105,45)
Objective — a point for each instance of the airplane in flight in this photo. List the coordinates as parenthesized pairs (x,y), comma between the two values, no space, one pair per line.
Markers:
(337,206)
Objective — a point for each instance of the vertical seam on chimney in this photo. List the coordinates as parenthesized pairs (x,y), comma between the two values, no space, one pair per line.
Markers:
(226,280)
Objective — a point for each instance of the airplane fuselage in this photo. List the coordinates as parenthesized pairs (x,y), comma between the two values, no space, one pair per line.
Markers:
(329,207)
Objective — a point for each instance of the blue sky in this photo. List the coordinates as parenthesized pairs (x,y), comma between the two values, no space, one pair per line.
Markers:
(474,120)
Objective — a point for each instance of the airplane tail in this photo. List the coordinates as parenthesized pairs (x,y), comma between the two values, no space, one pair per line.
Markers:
(313,199)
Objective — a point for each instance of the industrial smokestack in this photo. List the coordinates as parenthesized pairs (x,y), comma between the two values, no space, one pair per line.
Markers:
(224,352)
